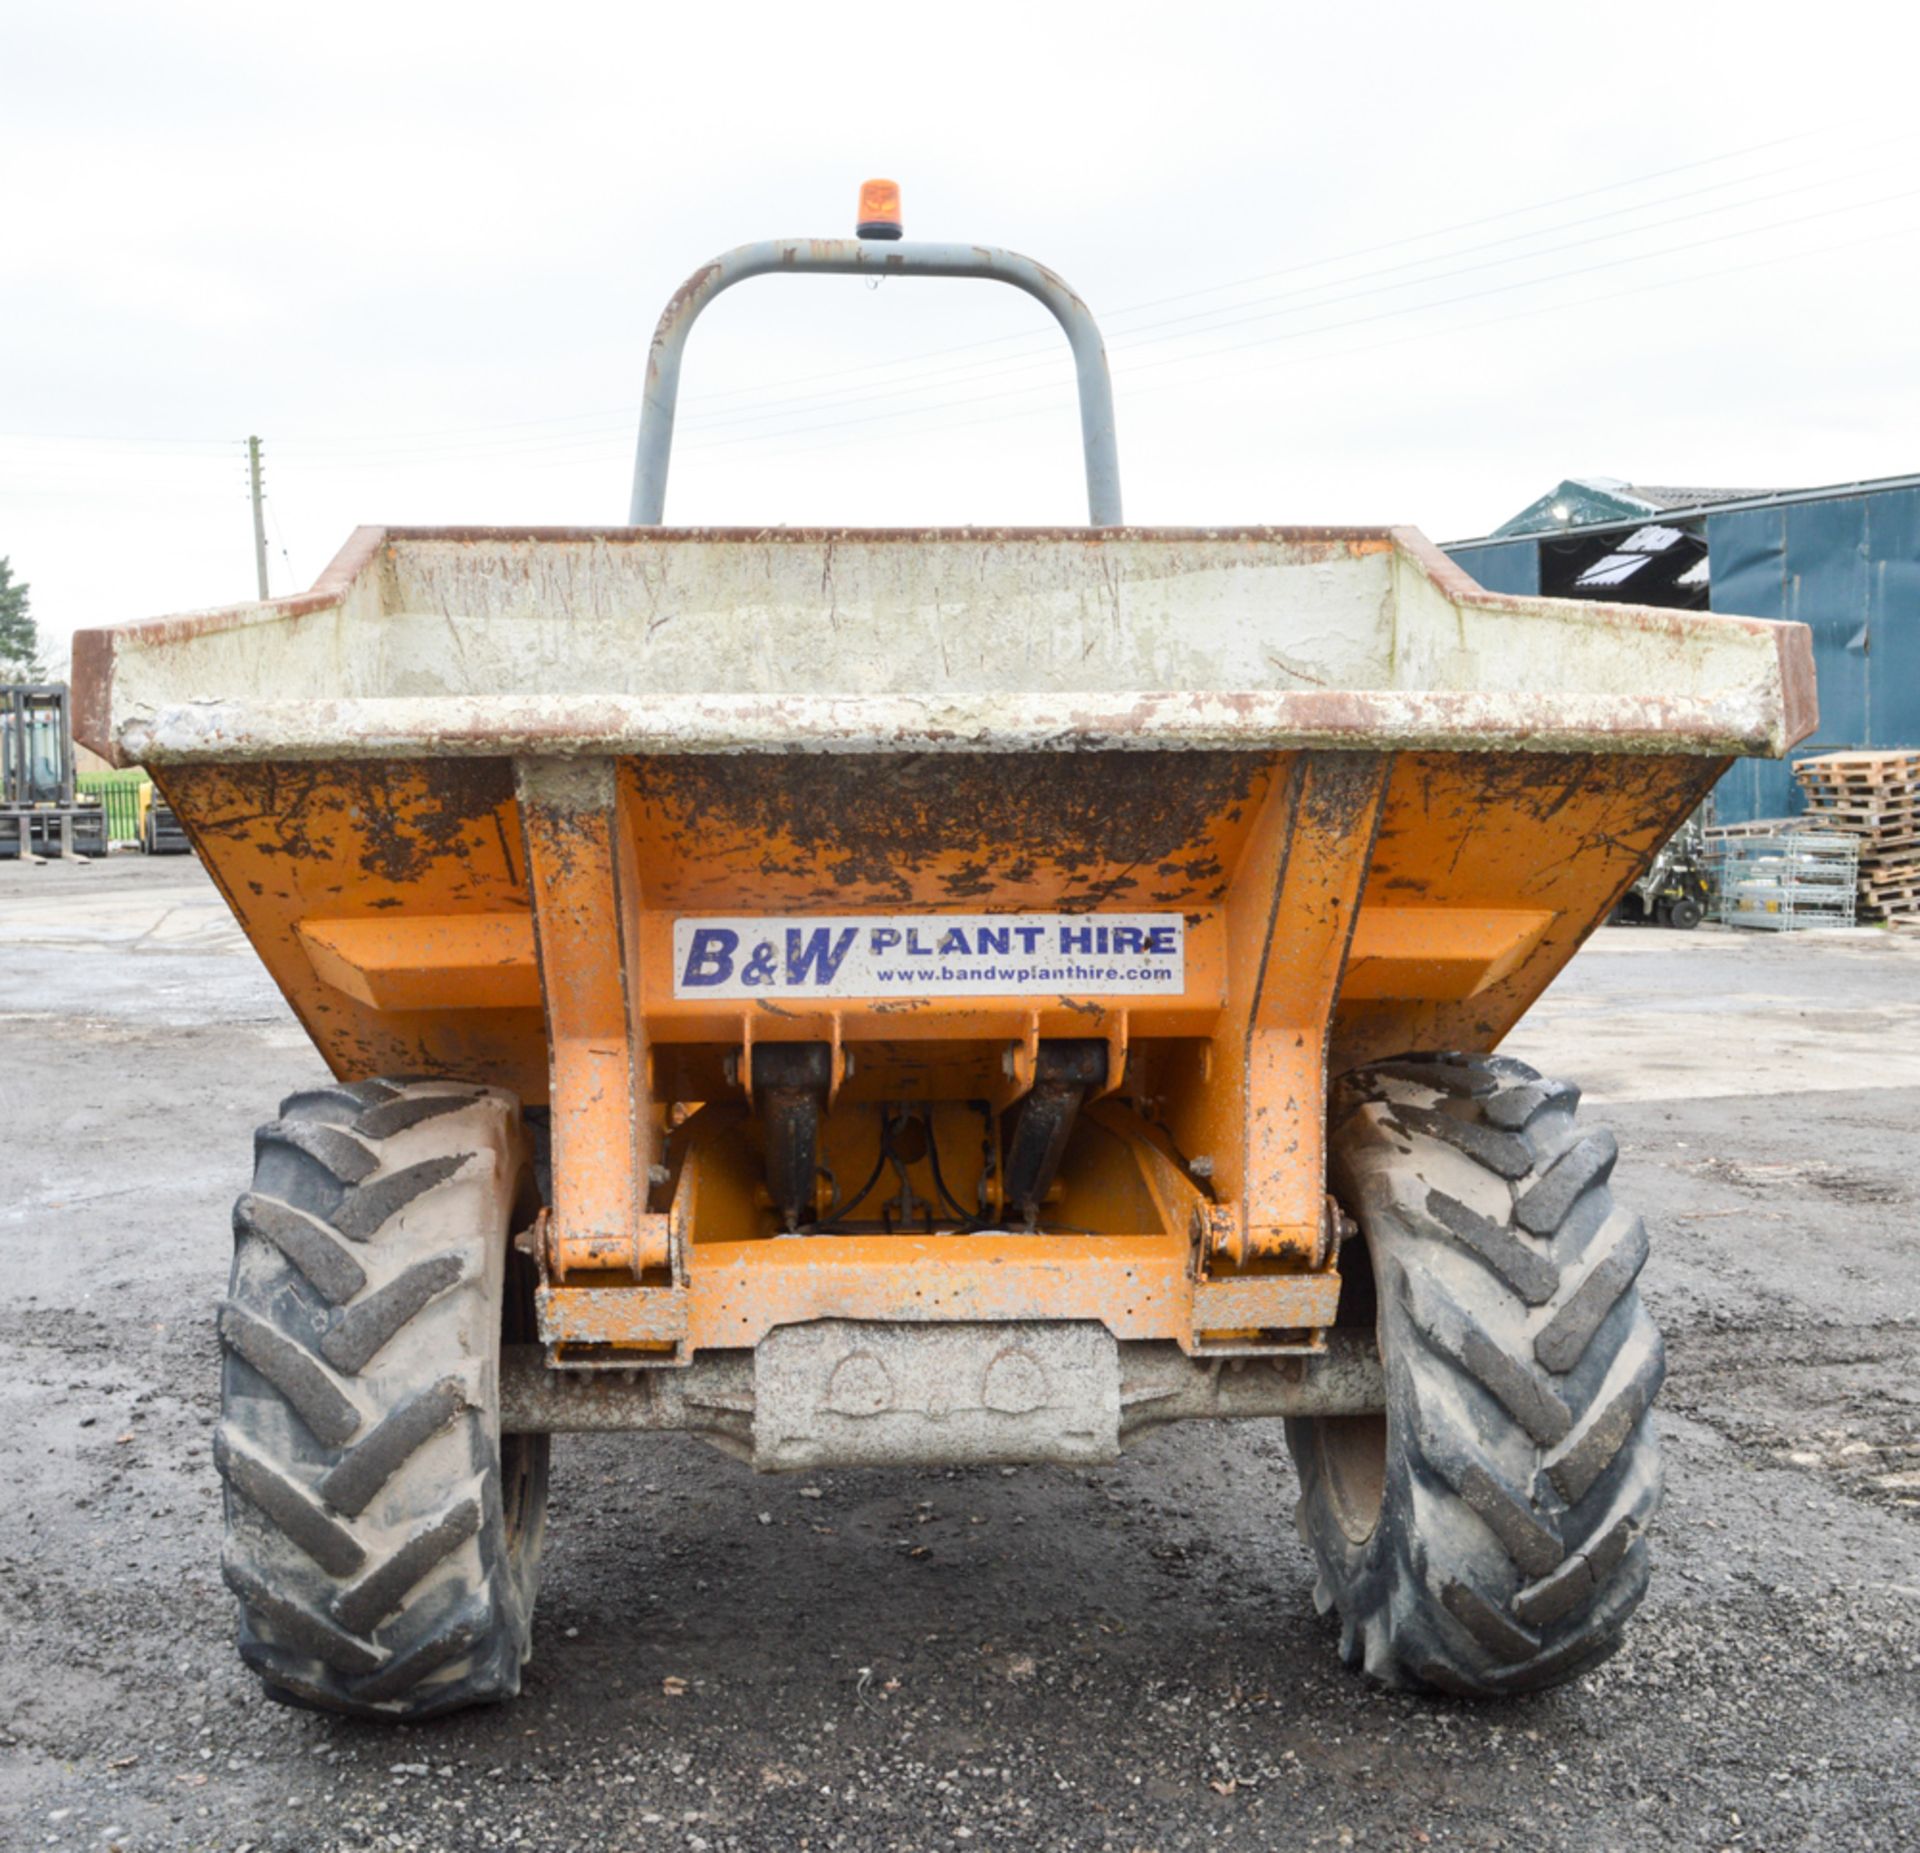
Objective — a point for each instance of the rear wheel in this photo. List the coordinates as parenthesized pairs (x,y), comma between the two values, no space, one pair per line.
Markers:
(1487,1533)
(383,1538)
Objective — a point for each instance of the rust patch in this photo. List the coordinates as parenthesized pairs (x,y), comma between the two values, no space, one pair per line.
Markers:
(403,816)
(1342,794)
(93,693)
(288,844)
(1086,829)
(1564,832)
(1800,697)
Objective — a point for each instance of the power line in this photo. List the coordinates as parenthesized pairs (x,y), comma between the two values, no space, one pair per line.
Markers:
(1238,377)
(767,405)
(1877,238)
(1125,344)
(780,445)
(549,439)
(273,515)
(761,424)
(159,446)
(1392,244)
(1057,391)
(727,443)
(693,418)
(763,421)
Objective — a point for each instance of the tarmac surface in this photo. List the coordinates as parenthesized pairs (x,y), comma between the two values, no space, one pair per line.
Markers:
(1125,1659)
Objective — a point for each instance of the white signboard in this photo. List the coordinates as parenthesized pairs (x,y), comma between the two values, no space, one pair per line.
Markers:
(929,955)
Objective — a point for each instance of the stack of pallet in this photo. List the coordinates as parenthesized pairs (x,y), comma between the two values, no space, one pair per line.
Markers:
(1876,798)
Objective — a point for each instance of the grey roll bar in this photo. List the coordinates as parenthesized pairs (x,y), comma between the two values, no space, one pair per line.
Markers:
(871,258)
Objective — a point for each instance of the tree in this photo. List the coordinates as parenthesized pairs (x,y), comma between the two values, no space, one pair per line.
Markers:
(19,636)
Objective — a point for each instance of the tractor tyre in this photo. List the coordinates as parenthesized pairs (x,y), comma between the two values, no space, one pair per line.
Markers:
(1487,1534)
(382,1537)
(1685,913)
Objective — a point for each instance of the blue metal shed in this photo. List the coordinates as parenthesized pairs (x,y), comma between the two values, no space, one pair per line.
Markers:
(1843,560)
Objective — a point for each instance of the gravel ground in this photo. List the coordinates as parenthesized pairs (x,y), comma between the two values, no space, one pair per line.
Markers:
(1123,1659)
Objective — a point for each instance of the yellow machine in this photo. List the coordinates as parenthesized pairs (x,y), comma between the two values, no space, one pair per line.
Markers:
(869,996)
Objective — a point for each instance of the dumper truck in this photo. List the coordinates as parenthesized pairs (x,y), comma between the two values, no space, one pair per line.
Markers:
(885,997)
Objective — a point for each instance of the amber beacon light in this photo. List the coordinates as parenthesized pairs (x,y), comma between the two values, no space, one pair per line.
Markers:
(879,209)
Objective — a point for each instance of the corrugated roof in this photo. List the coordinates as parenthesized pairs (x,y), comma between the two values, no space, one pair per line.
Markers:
(1657,496)
(1602,502)
(1660,550)
(1652,539)
(1615,569)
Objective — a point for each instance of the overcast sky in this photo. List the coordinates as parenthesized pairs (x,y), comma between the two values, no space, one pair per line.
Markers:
(1355,263)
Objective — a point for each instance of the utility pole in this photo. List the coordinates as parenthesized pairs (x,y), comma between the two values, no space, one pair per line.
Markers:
(259,515)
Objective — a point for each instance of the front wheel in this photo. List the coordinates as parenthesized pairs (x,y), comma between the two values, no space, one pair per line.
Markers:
(1487,1533)
(383,1538)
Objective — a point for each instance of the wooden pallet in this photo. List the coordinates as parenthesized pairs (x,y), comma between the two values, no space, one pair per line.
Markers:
(1874,798)
(1889,800)
(1903,880)
(1861,797)
(1759,826)
(1894,795)
(1901,766)
(1865,819)
(1886,832)
(1857,778)
(1890,899)
(1858,791)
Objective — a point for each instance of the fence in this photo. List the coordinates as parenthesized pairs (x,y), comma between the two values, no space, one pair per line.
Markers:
(123,796)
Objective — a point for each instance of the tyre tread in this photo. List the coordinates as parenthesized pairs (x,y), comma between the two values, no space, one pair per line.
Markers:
(305,1241)
(361,1331)
(350,1484)
(330,1269)
(1521,1371)
(363,1213)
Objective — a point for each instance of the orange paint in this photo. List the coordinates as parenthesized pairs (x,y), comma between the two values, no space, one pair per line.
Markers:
(513,925)
(1140,1286)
